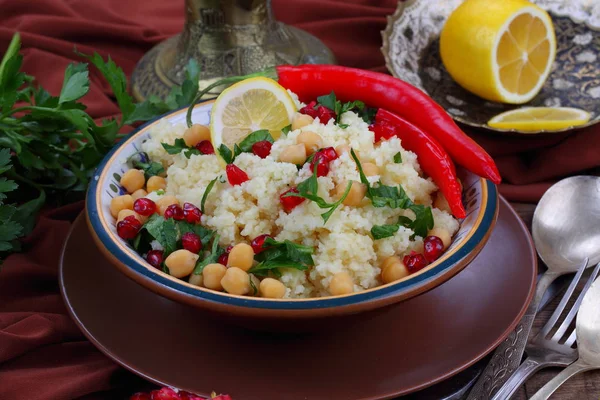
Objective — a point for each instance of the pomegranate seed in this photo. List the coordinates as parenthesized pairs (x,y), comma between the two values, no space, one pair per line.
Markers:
(174,211)
(309,109)
(164,394)
(129,227)
(155,258)
(262,148)
(382,131)
(235,175)
(414,262)
(223,258)
(205,147)
(189,396)
(259,242)
(325,114)
(329,153)
(323,167)
(191,213)
(289,203)
(140,396)
(191,242)
(228,249)
(434,247)
(144,206)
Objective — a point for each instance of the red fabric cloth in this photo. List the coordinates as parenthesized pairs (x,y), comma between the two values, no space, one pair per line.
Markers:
(43,356)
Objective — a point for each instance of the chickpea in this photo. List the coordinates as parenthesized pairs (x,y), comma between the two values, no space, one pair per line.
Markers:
(341,283)
(119,203)
(212,275)
(393,269)
(138,194)
(181,263)
(311,141)
(236,281)
(272,288)
(241,256)
(156,183)
(295,154)
(355,195)
(442,234)
(342,148)
(441,203)
(196,280)
(254,286)
(164,202)
(124,213)
(301,120)
(133,180)
(195,134)
(370,169)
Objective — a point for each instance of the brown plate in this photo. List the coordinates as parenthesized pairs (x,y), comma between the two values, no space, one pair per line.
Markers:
(401,349)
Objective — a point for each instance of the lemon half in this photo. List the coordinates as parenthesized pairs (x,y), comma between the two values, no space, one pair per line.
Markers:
(499,50)
(530,119)
(248,106)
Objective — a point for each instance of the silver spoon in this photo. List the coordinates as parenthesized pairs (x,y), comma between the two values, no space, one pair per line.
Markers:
(587,328)
(566,230)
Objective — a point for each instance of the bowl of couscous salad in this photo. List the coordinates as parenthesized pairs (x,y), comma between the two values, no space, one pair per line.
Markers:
(285,200)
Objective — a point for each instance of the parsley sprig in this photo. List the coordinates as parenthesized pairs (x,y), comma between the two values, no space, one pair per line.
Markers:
(395,197)
(245,145)
(330,101)
(54,144)
(308,189)
(284,254)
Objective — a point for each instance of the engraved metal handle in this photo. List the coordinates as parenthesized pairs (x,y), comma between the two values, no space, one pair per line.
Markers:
(529,367)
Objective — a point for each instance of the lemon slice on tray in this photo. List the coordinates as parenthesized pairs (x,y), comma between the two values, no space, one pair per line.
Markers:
(530,119)
(248,106)
(499,50)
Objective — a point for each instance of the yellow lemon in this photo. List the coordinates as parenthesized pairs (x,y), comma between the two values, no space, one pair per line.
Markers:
(530,119)
(247,106)
(501,50)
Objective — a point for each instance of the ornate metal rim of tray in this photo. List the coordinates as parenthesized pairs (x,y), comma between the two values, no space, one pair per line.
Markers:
(574,81)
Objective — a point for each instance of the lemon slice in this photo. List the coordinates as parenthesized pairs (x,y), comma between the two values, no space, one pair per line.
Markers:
(248,106)
(499,50)
(529,119)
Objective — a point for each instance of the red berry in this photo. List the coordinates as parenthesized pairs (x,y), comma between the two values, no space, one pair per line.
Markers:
(128,227)
(329,153)
(191,213)
(325,114)
(174,211)
(323,167)
(223,258)
(289,203)
(140,396)
(309,109)
(205,147)
(382,131)
(434,247)
(262,148)
(155,258)
(235,175)
(191,242)
(258,243)
(414,262)
(144,206)
(164,394)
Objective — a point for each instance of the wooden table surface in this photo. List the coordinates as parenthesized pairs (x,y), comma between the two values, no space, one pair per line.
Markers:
(585,386)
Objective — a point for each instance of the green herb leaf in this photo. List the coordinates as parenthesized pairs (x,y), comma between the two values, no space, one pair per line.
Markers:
(286,129)
(206,192)
(423,220)
(384,231)
(142,162)
(203,233)
(178,146)
(212,258)
(329,101)
(368,114)
(164,231)
(76,83)
(282,254)
(255,137)
(398,158)
(226,153)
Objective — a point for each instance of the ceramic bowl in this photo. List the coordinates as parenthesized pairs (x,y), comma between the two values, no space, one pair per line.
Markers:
(480,199)
(411,49)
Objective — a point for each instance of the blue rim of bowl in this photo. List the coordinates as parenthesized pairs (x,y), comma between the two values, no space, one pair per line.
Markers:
(135,261)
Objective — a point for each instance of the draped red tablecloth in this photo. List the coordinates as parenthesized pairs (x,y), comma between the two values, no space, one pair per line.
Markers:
(43,356)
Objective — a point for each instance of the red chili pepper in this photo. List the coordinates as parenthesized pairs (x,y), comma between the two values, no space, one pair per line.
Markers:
(432,157)
(380,91)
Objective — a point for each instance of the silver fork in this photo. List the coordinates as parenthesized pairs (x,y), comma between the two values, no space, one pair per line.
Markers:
(545,352)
